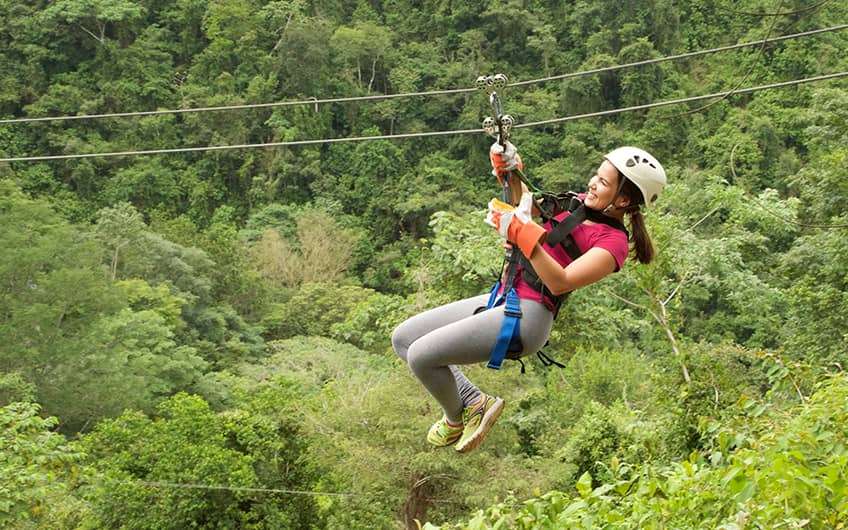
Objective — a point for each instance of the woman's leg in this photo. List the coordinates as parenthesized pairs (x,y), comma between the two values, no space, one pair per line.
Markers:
(468,341)
(416,327)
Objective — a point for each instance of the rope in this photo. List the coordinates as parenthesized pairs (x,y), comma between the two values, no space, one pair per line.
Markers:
(312,101)
(424,134)
(778,13)
(216,487)
(376,97)
(243,146)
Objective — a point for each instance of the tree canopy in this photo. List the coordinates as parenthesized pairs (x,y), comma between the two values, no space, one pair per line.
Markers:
(203,339)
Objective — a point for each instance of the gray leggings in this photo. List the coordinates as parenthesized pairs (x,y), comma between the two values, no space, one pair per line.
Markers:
(433,342)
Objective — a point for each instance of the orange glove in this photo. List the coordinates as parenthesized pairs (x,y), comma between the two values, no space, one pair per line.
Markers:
(504,160)
(515,224)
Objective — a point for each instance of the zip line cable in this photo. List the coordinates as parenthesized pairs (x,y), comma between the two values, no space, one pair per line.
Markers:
(680,56)
(678,101)
(744,78)
(312,101)
(425,134)
(376,97)
(245,146)
(217,487)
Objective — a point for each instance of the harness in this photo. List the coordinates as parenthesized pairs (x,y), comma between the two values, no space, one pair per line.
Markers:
(509,338)
(509,343)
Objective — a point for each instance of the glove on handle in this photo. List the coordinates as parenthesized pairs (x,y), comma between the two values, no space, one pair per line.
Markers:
(504,159)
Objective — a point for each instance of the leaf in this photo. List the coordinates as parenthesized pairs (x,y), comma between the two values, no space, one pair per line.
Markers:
(584,485)
(601,490)
(750,487)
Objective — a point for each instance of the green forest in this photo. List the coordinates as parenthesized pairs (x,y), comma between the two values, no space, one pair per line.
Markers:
(203,339)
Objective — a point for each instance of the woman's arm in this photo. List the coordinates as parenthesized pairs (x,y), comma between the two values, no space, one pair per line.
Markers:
(587,269)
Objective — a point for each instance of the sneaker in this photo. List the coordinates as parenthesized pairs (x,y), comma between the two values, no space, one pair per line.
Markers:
(442,434)
(478,420)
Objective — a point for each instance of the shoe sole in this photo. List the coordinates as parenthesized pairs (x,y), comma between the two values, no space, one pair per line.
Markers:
(489,419)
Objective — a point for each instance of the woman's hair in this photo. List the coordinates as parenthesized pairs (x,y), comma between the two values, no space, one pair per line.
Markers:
(641,241)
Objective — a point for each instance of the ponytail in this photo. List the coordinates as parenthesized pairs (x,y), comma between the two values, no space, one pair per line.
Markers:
(639,238)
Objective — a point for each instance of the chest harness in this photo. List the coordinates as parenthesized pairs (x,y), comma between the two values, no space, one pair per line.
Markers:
(508,345)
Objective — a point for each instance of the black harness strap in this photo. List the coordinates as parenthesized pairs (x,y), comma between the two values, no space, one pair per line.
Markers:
(561,235)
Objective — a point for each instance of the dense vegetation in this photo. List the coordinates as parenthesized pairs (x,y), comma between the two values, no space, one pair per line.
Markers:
(223,318)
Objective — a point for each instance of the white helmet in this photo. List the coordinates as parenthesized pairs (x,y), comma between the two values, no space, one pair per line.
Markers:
(641,168)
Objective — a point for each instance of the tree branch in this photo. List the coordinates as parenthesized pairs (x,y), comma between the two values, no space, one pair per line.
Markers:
(628,302)
(93,36)
(674,292)
(373,73)
(704,218)
(662,320)
(283,34)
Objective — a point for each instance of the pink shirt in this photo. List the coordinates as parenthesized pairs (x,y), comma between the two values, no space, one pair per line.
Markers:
(586,236)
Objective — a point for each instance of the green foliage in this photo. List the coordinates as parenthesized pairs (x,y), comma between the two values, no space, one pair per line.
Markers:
(369,324)
(93,347)
(35,465)
(366,421)
(211,326)
(127,279)
(793,473)
(313,309)
(463,258)
(594,439)
(133,455)
(13,388)
(720,377)
(348,313)
(142,296)
(592,380)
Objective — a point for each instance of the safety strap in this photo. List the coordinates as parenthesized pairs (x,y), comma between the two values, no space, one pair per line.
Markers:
(562,230)
(545,359)
(510,328)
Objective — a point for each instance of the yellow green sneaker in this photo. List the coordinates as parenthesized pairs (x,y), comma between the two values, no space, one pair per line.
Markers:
(478,420)
(443,434)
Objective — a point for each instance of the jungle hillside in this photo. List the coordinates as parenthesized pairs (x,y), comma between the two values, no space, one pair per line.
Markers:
(202,338)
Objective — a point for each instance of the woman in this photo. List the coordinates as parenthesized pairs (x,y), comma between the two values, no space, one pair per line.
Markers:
(433,343)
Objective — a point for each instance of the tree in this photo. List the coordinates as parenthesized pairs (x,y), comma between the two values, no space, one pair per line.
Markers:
(364,44)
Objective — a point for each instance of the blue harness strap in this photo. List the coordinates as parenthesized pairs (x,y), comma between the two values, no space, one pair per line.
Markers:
(511,326)
(493,296)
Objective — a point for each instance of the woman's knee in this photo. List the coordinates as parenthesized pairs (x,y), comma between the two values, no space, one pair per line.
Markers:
(401,341)
(418,357)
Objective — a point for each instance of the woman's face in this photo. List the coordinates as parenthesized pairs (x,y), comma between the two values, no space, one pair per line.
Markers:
(602,187)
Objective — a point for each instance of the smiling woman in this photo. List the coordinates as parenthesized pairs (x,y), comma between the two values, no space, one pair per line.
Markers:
(573,248)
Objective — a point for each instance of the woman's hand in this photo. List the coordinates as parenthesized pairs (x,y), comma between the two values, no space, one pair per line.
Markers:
(515,224)
(504,158)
